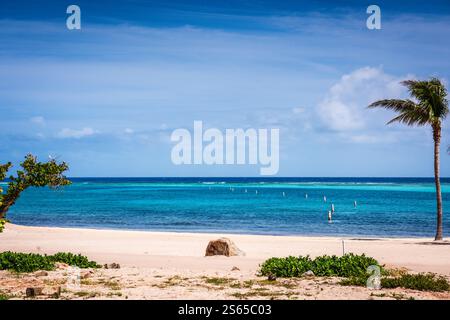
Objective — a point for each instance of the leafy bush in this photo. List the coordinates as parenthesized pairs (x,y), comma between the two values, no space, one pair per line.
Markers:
(3,296)
(354,269)
(349,265)
(30,262)
(24,262)
(422,282)
(2,224)
(286,267)
(74,260)
(360,281)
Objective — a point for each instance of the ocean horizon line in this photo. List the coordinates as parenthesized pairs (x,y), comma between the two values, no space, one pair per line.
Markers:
(254,177)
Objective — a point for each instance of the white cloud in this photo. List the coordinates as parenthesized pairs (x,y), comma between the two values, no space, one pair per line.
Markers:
(129,131)
(76,134)
(298,110)
(39,120)
(344,106)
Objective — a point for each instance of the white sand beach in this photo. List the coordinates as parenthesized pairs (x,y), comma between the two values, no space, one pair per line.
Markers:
(181,255)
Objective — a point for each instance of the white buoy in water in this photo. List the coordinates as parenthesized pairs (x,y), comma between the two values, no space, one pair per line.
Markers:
(332,207)
(329,216)
(324,199)
(284,194)
(245,190)
(354,203)
(306,196)
(256,191)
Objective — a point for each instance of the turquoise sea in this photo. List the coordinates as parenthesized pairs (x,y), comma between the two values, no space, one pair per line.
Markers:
(394,207)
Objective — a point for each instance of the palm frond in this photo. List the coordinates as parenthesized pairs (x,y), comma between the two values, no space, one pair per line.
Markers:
(411,118)
(410,113)
(398,105)
(431,96)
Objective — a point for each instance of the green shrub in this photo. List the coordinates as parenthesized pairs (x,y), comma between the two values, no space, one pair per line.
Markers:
(30,262)
(286,267)
(3,296)
(2,224)
(360,281)
(24,262)
(349,265)
(422,282)
(74,260)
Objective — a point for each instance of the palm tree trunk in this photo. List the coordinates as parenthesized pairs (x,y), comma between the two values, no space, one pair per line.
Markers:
(437,141)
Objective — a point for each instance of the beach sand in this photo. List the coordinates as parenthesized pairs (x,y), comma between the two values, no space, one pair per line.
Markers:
(169,265)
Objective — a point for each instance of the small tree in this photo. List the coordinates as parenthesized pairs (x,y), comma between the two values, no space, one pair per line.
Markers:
(34,174)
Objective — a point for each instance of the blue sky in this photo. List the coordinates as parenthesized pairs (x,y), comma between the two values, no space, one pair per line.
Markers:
(107,97)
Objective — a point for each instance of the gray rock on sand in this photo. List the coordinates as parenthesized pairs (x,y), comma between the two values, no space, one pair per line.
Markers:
(308,273)
(223,247)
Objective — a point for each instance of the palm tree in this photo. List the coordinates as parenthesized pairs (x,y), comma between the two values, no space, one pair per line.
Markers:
(430,108)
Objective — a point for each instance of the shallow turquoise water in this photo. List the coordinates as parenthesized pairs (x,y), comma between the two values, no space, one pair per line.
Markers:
(385,207)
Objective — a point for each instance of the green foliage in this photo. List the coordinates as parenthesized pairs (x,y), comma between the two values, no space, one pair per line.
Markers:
(422,282)
(359,281)
(431,106)
(3,296)
(349,265)
(34,174)
(30,262)
(74,260)
(2,224)
(25,262)
(3,171)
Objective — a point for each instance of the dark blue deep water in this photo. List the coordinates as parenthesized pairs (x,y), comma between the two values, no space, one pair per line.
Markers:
(396,207)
